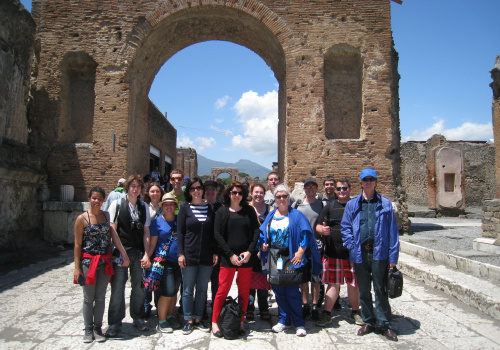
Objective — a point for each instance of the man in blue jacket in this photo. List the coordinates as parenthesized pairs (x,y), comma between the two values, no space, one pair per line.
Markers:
(370,232)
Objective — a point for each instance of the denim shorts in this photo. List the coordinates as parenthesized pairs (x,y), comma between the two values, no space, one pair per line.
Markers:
(171,279)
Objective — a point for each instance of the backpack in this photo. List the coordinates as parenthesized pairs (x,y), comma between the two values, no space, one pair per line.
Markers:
(230,319)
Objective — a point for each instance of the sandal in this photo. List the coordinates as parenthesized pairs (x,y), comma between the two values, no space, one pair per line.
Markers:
(250,316)
(264,316)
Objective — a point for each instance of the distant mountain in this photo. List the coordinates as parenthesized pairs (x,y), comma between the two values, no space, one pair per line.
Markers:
(205,166)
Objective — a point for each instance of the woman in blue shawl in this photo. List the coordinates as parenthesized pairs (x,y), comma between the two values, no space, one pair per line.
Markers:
(287,228)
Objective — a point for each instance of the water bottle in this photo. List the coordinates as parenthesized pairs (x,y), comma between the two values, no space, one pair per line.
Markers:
(118,260)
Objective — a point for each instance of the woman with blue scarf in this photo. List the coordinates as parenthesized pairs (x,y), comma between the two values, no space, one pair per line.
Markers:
(289,230)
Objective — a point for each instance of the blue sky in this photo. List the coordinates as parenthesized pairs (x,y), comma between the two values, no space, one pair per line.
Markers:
(222,98)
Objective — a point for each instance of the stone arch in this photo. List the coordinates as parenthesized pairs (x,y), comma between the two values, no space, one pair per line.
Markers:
(174,25)
(231,171)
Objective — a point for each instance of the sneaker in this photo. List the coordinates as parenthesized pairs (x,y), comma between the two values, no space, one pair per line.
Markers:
(187,329)
(324,319)
(98,336)
(306,310)
(300,332)
(199,325)
(355,315)
(173,322)
(140,324)
(279,327)
(315,312)
(88,336)
(112,330)
(164,327)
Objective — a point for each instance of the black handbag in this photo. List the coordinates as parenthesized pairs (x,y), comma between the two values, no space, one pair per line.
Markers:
(394,283)
(288,275)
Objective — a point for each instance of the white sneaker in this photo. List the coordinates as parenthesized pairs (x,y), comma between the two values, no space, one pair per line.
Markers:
(300,332)
(279,327)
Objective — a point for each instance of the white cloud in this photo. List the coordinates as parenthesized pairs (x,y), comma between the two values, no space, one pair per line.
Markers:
(199,144)
(466,131)
(221,102)
(185,141)
(218,121)
(258,116)
(226,132)
(205,142)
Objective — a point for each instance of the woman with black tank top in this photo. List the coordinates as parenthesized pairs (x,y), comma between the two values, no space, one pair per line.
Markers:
(93,268)
(236,230)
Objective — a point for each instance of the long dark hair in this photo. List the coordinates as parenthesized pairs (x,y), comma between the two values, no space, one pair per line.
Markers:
(226,198)
(187,194)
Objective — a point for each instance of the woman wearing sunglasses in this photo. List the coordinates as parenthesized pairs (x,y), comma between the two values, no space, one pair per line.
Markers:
(236,231)
(289,231)
(196,252)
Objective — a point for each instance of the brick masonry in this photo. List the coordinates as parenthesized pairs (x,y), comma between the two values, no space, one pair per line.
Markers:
(491,219)
(130,40)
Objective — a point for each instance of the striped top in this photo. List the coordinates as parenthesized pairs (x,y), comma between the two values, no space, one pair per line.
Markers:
(200,211)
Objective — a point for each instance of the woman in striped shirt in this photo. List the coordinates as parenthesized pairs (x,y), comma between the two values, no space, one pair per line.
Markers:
(196,251)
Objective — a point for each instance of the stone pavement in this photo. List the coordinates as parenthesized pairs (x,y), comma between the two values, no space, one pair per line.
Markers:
(42,309)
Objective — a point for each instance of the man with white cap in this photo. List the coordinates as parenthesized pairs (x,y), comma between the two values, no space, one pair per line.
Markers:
(370,232)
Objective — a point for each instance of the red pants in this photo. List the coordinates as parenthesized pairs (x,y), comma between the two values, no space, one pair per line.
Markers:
(243,280)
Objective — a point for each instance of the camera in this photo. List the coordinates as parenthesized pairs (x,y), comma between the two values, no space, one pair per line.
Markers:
(136,225)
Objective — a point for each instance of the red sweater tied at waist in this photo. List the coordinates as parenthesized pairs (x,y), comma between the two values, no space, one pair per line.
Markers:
(108,270)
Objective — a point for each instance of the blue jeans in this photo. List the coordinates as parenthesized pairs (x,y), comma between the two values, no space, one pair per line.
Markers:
(195,276)
(289,300)
(116,311)
(366,272)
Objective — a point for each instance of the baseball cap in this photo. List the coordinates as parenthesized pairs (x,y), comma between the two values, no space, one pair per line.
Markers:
(367,172)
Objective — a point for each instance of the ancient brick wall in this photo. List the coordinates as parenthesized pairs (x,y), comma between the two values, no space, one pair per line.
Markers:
(187,161)
(479,170)
(162,135)
(125,43)
(20,171)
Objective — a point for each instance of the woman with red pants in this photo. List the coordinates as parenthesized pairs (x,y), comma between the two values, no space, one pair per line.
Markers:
(236,230)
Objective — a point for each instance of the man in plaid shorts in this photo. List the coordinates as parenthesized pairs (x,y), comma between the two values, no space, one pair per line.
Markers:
(336,264)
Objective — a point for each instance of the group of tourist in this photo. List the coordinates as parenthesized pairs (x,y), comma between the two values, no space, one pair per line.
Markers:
(186,238)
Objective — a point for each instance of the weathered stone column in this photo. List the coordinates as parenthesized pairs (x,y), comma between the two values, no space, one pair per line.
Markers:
(491,208)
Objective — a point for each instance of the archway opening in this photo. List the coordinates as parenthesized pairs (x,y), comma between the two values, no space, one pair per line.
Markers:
(223,100)
(161,38)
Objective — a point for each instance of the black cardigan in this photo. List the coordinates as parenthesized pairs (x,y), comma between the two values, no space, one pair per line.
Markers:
(221,234)
(195,239)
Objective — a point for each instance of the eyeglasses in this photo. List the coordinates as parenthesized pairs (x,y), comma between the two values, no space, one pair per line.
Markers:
(176,178)
(310,187)
(273,180)
(343,188)
(197,188)
(284,196)
(368,179)
(236,193)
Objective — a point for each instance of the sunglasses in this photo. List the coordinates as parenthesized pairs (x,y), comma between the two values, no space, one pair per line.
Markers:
(236,193)
(210,189)
(369,179)
(176,178)
(343,188)
(197,188)
(282,196)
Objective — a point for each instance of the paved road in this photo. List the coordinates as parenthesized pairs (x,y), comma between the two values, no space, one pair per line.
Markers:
(42,309)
